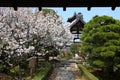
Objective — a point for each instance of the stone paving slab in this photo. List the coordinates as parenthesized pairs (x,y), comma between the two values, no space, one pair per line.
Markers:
(64,73)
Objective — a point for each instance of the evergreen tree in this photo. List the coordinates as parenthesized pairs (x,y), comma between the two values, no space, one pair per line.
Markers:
(101,42)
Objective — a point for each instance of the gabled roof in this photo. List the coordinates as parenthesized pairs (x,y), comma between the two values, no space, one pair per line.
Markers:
(76,21)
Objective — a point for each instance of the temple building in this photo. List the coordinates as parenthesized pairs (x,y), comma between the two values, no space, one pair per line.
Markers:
(76,26)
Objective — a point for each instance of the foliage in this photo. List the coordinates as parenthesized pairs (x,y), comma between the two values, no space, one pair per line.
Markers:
(99,63)
(86,73)
(1,68)
(75,48)
(51,51)
(15,70)
(24,65)
(48,11)
(101,40)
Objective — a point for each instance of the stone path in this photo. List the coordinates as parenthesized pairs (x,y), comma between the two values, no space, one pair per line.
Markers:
(64,73)
(66,70)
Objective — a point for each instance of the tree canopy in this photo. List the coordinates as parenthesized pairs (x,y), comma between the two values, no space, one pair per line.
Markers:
(101,42)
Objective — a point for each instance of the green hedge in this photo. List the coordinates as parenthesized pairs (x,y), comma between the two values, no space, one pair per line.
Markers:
(86,73)
(44,73)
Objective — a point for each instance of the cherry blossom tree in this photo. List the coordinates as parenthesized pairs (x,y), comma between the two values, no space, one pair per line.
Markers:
(13,34)
(25,31)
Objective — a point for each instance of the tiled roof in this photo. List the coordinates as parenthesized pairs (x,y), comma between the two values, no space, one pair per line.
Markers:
(75,19)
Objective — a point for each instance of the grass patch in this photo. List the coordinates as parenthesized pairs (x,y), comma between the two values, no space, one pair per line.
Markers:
(43,73)
(86,73)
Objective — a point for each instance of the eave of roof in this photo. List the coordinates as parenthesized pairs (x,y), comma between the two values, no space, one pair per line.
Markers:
(72,18)
(60,3)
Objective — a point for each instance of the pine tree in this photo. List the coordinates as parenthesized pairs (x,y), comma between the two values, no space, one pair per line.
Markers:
(101,41)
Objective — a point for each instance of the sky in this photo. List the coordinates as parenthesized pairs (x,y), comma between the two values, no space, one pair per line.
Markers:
(87,15)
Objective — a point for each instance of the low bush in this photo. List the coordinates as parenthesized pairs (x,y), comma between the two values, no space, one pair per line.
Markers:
(44,73)
(15,71)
